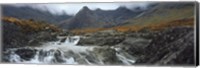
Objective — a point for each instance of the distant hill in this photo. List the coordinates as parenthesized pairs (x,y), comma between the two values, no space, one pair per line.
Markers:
(30,25)
(164,12)
(87,18)
(159,16)
(31,13)
(119,18)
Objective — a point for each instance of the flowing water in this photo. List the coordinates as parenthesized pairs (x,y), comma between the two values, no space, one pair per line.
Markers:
(68,52)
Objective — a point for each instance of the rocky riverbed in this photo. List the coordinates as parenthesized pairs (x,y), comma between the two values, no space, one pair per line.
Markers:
(172,46)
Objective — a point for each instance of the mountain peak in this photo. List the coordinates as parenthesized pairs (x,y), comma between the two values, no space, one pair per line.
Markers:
(98,9)
(85,8)
(84,11)
(122,8)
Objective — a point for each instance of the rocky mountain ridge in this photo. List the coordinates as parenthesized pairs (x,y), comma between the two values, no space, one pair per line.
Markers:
(32,13)
(87,18)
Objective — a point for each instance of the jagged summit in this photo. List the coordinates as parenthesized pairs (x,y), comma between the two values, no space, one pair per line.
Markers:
(98,9)
(84,10)
(122,8)
(87,18)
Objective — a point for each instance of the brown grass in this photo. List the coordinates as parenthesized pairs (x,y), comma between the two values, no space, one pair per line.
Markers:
(175,23)
(87,30)
(134,28)
(30,25)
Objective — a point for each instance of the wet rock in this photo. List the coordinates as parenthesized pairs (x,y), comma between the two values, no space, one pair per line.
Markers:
(101,41)
(92,59)
(13,36)
(134,46)
(107,56)
(144,35)
(5,56)
(38,38)
(59,57)
(46,36)
(174,46)
(26,54)
(34,42)
(63,40)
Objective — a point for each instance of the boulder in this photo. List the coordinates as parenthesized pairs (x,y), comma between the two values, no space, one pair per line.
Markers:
(174,46)
(107,55)
(134,46)
(103,38)
(101,41)
(26,54)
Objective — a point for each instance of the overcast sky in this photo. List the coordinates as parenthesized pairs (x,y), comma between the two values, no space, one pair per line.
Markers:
(73,8)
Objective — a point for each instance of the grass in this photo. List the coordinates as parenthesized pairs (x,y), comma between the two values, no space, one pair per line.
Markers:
(31,25)
(162,15)
(189,22)
(156,20)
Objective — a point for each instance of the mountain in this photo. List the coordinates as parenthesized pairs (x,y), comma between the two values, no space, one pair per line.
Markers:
(87,18)
(84,18)
(157,16)
(162,34)
(31,13)
(164,12)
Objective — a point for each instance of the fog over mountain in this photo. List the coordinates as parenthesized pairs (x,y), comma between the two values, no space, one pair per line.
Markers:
(73,8)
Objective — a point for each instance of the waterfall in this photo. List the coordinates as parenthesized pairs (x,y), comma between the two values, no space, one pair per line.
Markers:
(66,52)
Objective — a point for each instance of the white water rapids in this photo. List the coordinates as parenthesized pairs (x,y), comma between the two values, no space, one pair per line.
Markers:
(67,52)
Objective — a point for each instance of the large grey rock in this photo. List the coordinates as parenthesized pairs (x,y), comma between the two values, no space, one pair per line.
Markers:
(134,46)
(107,55)
(103,38)
(14,37)
(174,46)
(26,54)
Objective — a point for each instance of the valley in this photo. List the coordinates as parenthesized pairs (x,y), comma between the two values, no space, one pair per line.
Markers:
(161,34)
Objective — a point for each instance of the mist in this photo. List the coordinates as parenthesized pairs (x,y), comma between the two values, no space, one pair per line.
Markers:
(73,8)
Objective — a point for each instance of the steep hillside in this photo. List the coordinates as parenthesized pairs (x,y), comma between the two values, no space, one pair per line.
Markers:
(189,22)
(31,13)
(21,33)
(158,17)
(84,18)
(164,12)
(31,25)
